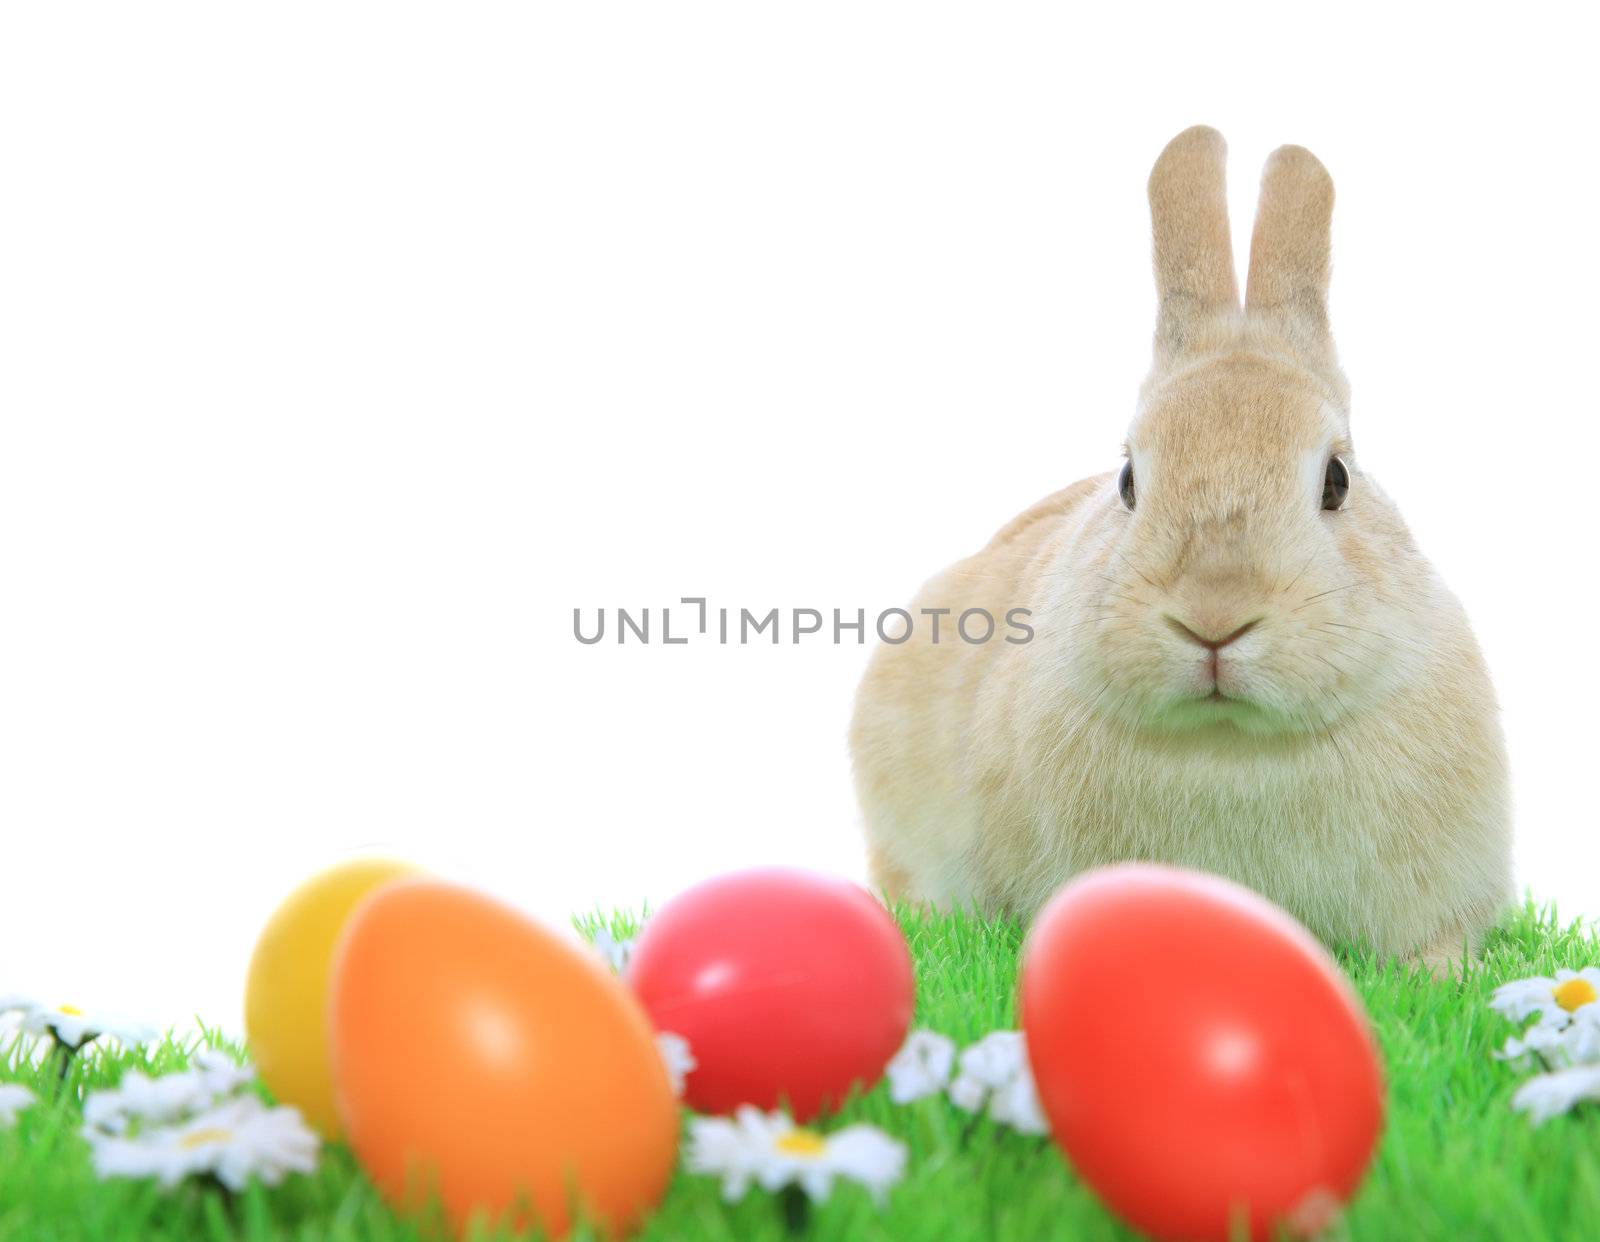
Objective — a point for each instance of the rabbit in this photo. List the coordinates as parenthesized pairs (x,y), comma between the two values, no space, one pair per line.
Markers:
(1239,661)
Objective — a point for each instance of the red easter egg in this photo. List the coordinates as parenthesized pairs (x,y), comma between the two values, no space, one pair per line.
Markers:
(789,987)
(1205,1066)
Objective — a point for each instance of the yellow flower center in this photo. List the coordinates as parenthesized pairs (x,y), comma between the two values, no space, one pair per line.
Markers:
(1576,993)
(71,1009)
(214,1134)
(806,1143)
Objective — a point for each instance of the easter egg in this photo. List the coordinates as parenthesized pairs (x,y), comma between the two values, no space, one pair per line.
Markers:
(791,988)
(1205,1067)
(484,1059)
(286,987)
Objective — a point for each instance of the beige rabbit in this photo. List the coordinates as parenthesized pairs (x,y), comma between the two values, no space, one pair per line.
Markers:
(1240,660)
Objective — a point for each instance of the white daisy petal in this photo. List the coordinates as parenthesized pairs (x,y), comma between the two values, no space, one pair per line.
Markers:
(815,1180)
(268,1143)
(719,1147)
(764,1127)
(677,1057)
(995,1059)
(867,1155)
(1549,1095)
(617,953)
(14,1098)
(967,1094)
(146,1156)
(1017,1105)
(1580,1042)
(1523,998)
(921,1067)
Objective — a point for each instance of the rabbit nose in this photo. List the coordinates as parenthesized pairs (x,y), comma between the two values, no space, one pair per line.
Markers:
(1211,644)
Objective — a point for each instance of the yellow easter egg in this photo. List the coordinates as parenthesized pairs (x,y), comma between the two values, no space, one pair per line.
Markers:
(286,990)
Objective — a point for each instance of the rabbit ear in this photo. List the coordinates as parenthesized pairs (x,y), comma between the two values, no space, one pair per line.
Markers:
(1193,253)
(1290,251)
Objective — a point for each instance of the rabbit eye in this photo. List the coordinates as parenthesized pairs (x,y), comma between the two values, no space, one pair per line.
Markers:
(1125,484)
(1335,484)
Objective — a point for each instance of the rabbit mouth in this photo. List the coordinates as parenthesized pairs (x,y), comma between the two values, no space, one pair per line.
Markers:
(1203,713)
(1217,698)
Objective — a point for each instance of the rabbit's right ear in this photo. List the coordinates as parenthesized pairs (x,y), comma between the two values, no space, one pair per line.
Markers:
(1193,250)
(1289,253)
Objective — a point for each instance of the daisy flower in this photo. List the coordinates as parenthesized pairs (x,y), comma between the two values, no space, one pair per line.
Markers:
(921,1067)
(138,1098)
(769,1150)
(677,1057)
(235,1141)
(14,1098)
(1549,1095)
(71,1027)
(616,952)
(1566,1031)
(12,1006)
(994,1072)
(1553,1000)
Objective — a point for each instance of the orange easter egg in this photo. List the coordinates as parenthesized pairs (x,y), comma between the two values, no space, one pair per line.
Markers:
(286,989)
(482,1058)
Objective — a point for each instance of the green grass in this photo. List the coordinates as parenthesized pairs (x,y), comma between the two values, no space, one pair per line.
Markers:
(1455,1162)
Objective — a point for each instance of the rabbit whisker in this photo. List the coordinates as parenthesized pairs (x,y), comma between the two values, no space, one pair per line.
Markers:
(1320,594)
(1114,552)
(1342,672)
(1293,581)
(1393,638)
(1364,663)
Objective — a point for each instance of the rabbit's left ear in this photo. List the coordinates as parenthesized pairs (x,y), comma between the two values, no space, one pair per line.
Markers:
(1290,252)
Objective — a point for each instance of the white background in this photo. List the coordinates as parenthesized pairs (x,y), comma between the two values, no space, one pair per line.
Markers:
(344,352)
